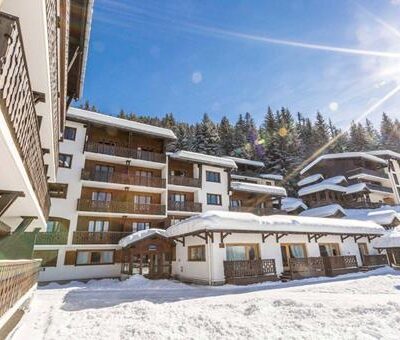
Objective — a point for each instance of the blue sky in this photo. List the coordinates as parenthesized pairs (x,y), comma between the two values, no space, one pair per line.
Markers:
(190,57)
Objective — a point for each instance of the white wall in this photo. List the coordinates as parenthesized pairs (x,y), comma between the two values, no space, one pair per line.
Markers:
(214,188)
(392,174)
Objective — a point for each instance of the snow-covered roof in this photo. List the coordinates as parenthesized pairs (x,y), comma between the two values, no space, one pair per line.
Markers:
(342,155)
(390,240)
(291,203)
(384,217)
(334,180)
(383,153)
(324,211)
(259,188)
(320,187)
(141,235)
(246,161)
(202,158)
(272,176)
(246,222)
(100,118)
(309,180)
(358,187)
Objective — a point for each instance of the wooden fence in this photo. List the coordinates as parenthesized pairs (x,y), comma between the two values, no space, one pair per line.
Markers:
(306,267)
(249,270)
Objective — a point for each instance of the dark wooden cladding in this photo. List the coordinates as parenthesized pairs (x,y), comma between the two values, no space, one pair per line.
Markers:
(122,151)
(107,237)
(306,267)
(185,206)
(359,171)
(234,270)
(374,260)
(123,207)
(16,278)
(184,181)
(123,178)
(18,107)
(258,211)
(51,238)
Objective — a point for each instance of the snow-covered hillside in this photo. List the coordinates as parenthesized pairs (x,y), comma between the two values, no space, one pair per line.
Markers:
(354,306)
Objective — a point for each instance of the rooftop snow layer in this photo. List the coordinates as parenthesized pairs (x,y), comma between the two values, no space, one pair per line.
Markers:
(383,153)
(246,161)
(320,187)
(310,179)
(227,220)
(120,123)
(390,240)
(325,211)
(202,158)
(291,203)
(342,155)
(384,217)
(334,180)
(272,176)
(259,188)
(140,235)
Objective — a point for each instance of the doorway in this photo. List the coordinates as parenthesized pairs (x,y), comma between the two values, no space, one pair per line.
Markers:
(292,250)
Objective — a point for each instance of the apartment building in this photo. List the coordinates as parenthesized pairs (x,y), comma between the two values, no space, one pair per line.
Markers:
(115,178)
(42,55)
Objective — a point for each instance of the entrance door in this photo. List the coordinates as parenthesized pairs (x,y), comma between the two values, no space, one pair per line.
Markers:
(363,248)
(292,250)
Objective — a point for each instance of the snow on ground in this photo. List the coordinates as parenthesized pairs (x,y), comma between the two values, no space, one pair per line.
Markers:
(353,306)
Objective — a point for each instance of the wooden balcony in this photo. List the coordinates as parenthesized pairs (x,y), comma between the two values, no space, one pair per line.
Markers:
(258,211)
(18,107)
(372,261)
(359,171)
(44,238)
(185,206)
(123,207)
(125,152)
(16,279)
(107,237)
(249,271)
(123,178)
(337,265)
(184,181)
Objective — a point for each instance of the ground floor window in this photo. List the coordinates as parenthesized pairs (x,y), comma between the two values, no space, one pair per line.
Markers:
(88,257)
(242,252)
(292,250)
(49,257)
(197,253)
(329,249)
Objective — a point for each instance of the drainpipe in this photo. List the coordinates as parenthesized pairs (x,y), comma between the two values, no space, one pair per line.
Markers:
(209,263)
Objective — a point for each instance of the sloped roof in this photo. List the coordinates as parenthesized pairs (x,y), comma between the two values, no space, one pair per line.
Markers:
(258,188)
(390,240)
(309,180)
(324,211)
(246,161)
(382,153)
(203,158)
(272,176)
(320,187)
(291,203)
(141,235)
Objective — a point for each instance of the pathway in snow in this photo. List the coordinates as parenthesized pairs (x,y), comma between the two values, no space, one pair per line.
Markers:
(354,306)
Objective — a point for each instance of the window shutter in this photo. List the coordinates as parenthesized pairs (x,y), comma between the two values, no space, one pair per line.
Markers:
(70,258)
(118,256)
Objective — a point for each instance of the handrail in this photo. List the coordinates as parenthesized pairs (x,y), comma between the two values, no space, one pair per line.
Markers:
(106,237)
(120,207)
(184,181)
(185,206)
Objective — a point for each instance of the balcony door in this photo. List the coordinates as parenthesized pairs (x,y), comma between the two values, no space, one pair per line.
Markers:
(101,199)
(177,201)
(292,250)
(329,249)
(103,173)
(107,147)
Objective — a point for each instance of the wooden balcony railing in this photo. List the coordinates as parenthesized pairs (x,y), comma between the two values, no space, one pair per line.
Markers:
(51,238)
(123,151)
(18,107)
(16,278)
(361,170)
(306,267)
(107,237)
(184,206)
(249,268)
(374,260)
(184,181)
(258,211)
(123,178)
(124,207)
(335,265)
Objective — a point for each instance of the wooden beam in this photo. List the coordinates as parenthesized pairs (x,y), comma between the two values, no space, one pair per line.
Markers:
(279,236)
(210,234)
(205,238)
(357,237)
(344,237)
(180,241)
(371,237)
(265,236)
(223,235)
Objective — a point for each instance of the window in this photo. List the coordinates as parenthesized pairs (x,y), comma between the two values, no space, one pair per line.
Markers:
(64,160)
(93,257)
(178,173)
(98,226)
(177,197)
(173,253)
(49,257)
(143,173)
(137,226)
(142,199)
(329,249)
(57,225)
(236,203)
(197,253)
(69,133)
(214,199)
(391,166)
(212,176)
(396,179)
(104,169)
(58,190)
(101,196)
(241,252)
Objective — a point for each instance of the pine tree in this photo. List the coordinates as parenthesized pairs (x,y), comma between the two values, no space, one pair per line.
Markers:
(240,138)
(372,135)
(207,137)
(226,134)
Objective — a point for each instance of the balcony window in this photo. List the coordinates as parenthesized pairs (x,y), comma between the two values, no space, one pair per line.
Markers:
(137,226)
(143,173)
(177,198)
(64,161)
(142,199)
(178,173)
(197,253)
(56,225)
(58,190)
(94,257)
(101,196)
(70,133)
(329,249)
(214,199)
(242,252)
(49,257)
(98,226)
(212,176)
